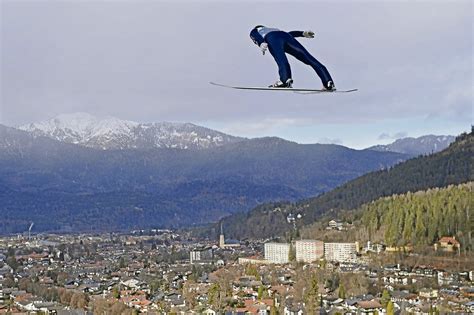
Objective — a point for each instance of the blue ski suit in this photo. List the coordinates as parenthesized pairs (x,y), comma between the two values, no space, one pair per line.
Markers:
(280,43)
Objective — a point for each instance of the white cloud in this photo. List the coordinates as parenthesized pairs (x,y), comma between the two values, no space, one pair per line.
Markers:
(325,140)
(388,136)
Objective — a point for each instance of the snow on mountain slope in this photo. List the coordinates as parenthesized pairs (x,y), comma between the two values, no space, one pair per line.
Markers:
(113,133)
(417,146)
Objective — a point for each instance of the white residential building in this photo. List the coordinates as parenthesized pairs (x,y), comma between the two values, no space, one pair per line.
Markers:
(200,255)
(340,252)
(335,225)
(309,250)
(277,253)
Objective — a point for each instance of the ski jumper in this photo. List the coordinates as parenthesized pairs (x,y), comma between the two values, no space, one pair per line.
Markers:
(280,43)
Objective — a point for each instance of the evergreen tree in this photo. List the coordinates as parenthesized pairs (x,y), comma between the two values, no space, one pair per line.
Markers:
(342,291)
(116,292)
(213,294)
(122,263)
(261,291)
(312,295)
(385,298)
(390,308)
(292,253)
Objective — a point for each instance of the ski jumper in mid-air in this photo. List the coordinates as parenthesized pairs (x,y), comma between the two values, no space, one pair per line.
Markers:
(279,43)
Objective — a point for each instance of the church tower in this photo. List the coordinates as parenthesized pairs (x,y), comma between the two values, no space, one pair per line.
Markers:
(221,238)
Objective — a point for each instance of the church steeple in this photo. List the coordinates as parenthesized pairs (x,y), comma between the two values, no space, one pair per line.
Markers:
(221,238)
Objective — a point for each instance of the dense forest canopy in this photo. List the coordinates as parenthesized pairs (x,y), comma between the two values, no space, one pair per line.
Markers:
(423,217)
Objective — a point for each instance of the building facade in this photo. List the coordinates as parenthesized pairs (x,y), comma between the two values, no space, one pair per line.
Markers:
(335,225)
(277,253)
(448,244)
(252,260)
(309,250)
(340,252)
(201,255)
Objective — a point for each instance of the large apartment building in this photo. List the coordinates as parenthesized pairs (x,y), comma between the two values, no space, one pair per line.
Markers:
(309,250)
(277,253)
(340,252)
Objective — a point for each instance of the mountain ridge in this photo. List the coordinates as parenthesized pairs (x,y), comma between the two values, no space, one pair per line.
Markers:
(113,133)
(426,144)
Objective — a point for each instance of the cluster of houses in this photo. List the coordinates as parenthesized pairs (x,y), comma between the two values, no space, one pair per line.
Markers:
(165,272)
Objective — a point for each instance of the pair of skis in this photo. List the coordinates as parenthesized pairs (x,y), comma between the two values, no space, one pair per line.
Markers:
(300,91)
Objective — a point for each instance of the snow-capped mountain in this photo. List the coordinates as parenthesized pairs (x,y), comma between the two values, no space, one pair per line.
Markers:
(417,146)
(112,133)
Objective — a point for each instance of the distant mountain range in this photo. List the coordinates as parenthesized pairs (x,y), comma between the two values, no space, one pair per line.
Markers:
(63,186)
(416,146)
(112,133)
(76,172)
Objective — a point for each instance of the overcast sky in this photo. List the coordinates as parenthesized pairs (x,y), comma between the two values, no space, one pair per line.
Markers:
(412,62)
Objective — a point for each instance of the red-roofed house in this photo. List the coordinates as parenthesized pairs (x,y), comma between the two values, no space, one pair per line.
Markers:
(448,244)
(369,307)
(256,307)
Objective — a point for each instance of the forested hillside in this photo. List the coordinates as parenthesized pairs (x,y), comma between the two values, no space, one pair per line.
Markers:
(421,218)
(453,165)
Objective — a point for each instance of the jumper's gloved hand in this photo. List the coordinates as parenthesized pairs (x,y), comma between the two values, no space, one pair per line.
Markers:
(264,47)
(308,34)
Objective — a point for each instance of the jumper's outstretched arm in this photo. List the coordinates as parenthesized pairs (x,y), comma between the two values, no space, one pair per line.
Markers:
(307,34)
